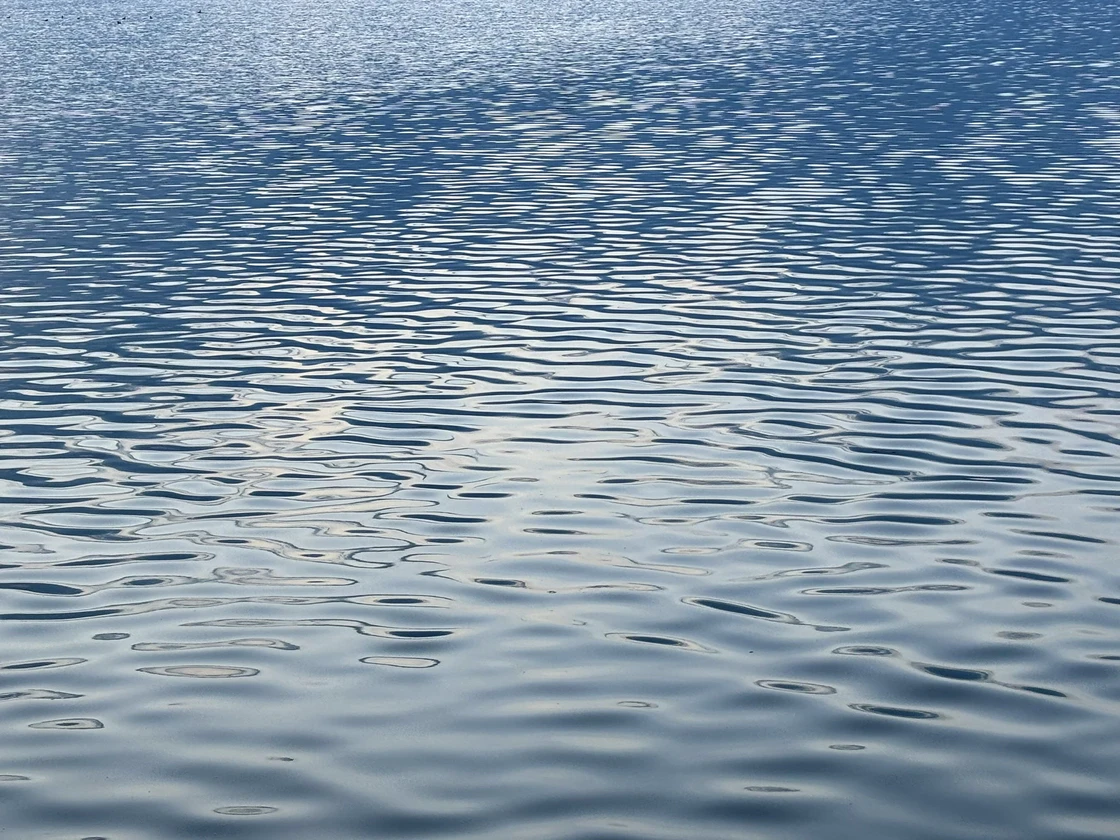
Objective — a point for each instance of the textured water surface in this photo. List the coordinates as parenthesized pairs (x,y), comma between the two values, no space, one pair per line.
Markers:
(576,421)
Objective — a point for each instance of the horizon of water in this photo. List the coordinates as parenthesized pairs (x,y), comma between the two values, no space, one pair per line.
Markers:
(575,421)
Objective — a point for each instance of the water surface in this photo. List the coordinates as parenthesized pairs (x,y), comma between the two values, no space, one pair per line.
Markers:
(575,421)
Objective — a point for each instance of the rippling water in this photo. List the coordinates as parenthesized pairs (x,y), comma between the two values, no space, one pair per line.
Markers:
(577,421)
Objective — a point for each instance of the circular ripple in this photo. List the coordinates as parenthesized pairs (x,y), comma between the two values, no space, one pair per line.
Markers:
(69,723)
(205,672)
(864,650)
(245,810)
(661,641)
(895,711)
(401,661)
(799,687)
(41,664)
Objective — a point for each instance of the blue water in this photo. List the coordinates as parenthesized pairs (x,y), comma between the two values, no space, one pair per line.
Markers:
(560,421)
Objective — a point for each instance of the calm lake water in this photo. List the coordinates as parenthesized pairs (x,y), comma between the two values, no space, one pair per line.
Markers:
(606,420)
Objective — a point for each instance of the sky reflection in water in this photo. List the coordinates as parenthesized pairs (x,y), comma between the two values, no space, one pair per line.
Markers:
(704,416)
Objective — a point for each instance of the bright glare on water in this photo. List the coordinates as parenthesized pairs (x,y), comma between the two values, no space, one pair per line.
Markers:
(577,420)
